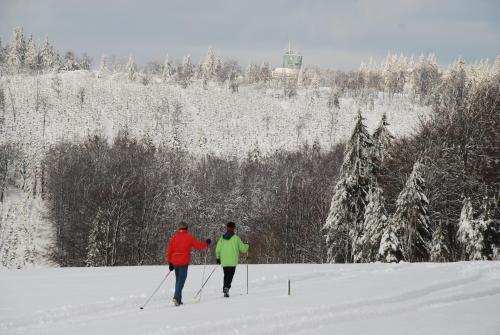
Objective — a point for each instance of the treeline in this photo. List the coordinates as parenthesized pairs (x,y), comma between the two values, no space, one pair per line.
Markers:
(117,204)
(442,184)
(25,55)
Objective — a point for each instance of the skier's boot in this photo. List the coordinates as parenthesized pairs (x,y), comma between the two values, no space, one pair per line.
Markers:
(226,292)
(176,303)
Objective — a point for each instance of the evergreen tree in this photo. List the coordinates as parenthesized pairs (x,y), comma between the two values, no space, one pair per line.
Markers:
(2,53)
(103,67)
(367,247)
(488,229)
(390,246)
(48,56)
(17,50)
(265,72)
(168,70)
(344,223)
(252,74)
(440,251)
(131,70)
(466,227)
(32,57)
(210,65)
(314,87)
(382,140)
(412,217)
(95,245)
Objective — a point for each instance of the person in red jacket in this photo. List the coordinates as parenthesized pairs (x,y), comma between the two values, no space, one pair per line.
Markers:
(179,256)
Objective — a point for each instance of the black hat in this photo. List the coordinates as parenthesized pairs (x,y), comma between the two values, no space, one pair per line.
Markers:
(183,225)
(231,225)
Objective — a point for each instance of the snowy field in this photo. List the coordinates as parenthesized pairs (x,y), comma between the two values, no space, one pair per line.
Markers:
(452,298)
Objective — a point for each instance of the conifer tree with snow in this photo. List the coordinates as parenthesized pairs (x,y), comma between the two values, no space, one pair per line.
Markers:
(382,139)
(131,69)
(440,251)
(2,54)
(210,65)
(32,58)
(103,67)
(48,56)
(367,247)
(17,51)
(412,217)
(168,70)
(390,246)
(466,226)
(345,220)
(95,245)
(488,233)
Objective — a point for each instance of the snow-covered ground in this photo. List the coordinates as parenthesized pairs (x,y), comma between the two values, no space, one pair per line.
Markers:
(451,298)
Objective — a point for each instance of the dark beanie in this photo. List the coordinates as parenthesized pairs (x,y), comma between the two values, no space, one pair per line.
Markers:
(183,225)
(231,225)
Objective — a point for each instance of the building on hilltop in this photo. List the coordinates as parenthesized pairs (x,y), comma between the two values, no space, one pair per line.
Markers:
(292,62)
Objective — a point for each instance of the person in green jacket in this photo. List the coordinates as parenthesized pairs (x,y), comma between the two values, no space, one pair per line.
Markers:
(227,253)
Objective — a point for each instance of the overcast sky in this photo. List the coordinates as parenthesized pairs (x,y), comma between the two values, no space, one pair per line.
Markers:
(333,34)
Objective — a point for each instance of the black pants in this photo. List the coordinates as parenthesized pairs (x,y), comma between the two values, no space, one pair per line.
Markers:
(228,275)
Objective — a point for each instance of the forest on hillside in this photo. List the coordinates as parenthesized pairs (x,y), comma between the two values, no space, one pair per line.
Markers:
(397,185)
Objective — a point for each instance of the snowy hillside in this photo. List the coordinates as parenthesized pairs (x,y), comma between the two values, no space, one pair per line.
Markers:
(449,298)
(73,105)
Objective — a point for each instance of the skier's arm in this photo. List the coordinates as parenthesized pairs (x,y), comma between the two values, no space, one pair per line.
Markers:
(242,246)
(197,244)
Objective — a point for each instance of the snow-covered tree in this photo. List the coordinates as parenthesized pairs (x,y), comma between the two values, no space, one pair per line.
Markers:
(2,53)
(32,58)
(440,251)
(252,74)
(210,66)
(346,216)
(466,225)
(131,69)
(367,247)
(168,70)
(265,72)
(390,246)
(95,245)
(103,67)
(487,242)
(382,139)
(314,87)
(48,56)
(17,50)
(412,217)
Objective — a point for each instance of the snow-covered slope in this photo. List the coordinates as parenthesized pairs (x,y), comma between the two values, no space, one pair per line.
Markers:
(451,298)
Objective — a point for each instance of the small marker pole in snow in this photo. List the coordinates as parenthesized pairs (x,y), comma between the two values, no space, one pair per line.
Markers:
(161,283)
(247,272)
(288,287)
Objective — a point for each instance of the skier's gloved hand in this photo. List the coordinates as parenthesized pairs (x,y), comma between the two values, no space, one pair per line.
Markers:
(171,266)
(218,261)
(208,241)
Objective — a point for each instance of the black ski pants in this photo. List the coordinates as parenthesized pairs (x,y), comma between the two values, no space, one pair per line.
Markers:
(228,275)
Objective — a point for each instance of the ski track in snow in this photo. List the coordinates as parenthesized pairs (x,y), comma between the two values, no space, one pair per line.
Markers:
(324,298)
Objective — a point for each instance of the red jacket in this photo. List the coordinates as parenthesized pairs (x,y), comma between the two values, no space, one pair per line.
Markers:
(179,248)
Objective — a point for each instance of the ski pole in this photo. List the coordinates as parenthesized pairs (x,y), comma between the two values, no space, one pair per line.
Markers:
(161,283)
(247,272)
(204,266)
(202,286)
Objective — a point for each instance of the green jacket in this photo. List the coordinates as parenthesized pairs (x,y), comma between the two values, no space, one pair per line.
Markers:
(228,249)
